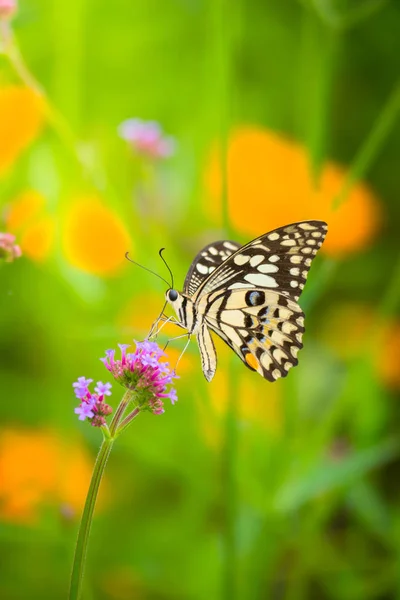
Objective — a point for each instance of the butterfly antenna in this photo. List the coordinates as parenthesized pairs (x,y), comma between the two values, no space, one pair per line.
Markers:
(145,268)
(166,264)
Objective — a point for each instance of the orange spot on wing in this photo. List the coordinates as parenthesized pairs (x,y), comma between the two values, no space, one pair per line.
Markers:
(252,361)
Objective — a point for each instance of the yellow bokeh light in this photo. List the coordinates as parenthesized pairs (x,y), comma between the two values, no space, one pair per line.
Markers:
(35,227)
(95,239)
(21,119)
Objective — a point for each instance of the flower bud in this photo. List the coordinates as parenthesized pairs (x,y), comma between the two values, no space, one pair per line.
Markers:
(9,251)
(147,138)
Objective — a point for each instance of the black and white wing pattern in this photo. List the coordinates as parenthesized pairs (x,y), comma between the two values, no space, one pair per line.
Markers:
(278,260)
(263,327)
(248,296)
(250,300)
(206,262)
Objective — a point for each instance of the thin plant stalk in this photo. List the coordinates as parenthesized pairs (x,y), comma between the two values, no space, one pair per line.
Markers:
(227,30)
(54,117)
(86,521)
(230,494)
(373,144)
(87,516)
(119,413)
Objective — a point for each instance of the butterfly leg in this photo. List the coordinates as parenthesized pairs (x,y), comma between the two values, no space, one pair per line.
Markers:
(154,326)
(183,351)
(188,334)
(177,337)
(165,320)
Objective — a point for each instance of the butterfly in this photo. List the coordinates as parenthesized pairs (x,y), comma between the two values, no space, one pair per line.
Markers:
(248,296)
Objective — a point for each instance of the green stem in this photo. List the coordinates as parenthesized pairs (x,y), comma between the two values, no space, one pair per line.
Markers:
(390,299)
(86,522)
(124,424)
(374,143)
(226,33)
(54,117)
(119,413)
(109,436)
(230,578)
(318,59)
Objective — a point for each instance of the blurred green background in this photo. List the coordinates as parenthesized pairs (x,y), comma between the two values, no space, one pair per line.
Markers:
(244,489)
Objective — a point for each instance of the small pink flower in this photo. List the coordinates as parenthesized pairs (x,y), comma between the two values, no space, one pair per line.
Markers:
(8,8)
(92,406)
(9,251)
(147,138)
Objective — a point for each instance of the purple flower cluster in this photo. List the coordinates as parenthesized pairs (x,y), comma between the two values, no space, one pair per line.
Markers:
(147,138)
(143,372)
(92,405)
(9,251)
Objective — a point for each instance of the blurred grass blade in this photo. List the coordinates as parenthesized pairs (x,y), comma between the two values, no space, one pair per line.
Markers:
(373,144)
(328,476)
(366,503)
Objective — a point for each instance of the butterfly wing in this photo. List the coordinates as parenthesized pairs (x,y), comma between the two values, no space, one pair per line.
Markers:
(263,327)
(277,260)
(207,260)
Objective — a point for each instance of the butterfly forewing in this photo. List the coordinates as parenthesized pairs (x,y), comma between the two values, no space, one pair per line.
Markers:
(248,296)
(263,327)
(207,260)
(278,260)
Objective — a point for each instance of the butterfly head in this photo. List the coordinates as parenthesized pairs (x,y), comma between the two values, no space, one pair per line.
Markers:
(171,295)
(183,307)
(175,299)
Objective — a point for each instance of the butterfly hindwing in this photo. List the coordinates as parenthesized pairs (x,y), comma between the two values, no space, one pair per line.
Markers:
(263,327)
(278,260)
(206,261)
(207,352)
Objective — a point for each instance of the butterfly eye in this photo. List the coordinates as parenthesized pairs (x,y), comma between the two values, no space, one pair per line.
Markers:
(172,295)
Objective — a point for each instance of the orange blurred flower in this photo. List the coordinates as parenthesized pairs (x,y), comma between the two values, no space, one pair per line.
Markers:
(270,184)
(21,118)
(27,216)
(95,238)
(54,474)
(364,334)
(388,355)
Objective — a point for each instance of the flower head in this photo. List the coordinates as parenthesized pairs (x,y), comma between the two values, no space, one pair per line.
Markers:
(8,8)
(143,372)
(9,251)
(147,138)
(92,405)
